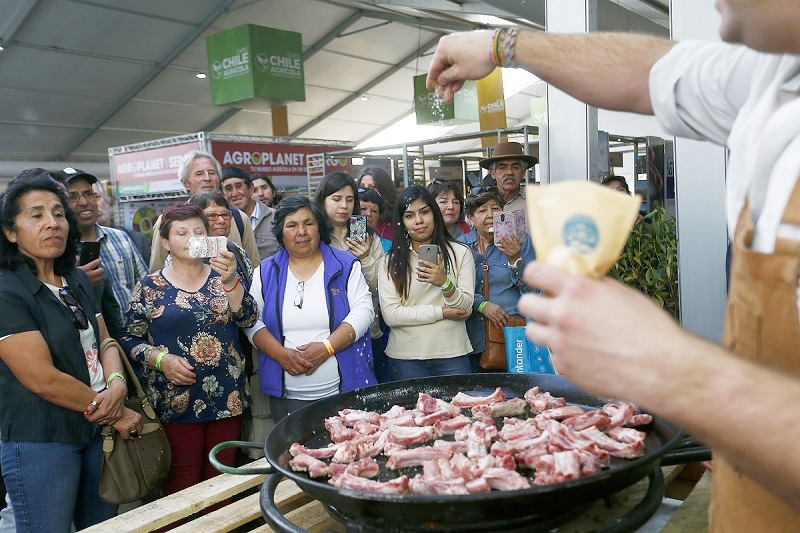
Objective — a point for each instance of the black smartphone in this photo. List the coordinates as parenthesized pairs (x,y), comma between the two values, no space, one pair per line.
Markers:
(90,250)
(429,252)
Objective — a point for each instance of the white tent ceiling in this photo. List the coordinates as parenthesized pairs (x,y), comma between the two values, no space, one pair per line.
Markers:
(79,76)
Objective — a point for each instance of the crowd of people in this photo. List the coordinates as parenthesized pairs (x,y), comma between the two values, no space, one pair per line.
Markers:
(298,306)
(328,310)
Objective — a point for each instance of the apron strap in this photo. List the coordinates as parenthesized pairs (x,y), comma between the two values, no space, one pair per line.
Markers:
(791,215)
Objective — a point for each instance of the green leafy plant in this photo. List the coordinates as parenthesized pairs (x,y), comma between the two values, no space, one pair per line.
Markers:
(649,261)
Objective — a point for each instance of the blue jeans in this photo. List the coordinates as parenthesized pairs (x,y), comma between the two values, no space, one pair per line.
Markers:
(421,368)
(52,484)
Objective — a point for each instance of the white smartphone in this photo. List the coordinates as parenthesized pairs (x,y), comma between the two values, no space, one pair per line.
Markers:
(206,246)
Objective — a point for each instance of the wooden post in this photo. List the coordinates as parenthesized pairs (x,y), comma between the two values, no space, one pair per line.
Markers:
(280,121)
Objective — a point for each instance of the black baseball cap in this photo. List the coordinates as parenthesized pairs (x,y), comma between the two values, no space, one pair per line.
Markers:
(73,173)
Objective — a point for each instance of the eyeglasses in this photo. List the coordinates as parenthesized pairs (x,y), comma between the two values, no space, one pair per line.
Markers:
(212,217)
(301,292)
(79,318)
(475,191)
(86,195)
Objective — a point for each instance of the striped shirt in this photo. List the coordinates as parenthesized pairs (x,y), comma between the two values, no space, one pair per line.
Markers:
(122,261)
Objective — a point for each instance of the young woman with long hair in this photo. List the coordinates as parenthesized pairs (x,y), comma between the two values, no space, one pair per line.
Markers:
(425,303)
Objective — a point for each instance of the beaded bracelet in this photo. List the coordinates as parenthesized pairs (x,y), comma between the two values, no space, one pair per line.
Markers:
(113,376)
(503,51)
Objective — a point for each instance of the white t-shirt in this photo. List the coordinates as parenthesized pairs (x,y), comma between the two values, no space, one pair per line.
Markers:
(305,324)
(97,380)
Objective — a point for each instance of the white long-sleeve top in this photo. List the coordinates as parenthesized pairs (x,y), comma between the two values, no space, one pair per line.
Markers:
(359,317)
(418,330)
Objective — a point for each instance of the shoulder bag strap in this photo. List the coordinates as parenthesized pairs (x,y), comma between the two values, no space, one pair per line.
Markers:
(237,216)
(131,377)
(485,280)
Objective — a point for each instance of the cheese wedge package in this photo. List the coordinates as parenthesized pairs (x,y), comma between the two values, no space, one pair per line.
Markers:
(580,226)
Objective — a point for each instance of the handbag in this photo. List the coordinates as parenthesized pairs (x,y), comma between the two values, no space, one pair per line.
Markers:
(494,353)
(133,468)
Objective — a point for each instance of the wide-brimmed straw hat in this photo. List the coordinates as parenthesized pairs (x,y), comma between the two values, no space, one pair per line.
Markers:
(508,150)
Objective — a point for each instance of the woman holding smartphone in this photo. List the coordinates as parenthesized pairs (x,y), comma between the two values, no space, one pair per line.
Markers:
(337,198)
(425,302)
(504,259)
(182,333)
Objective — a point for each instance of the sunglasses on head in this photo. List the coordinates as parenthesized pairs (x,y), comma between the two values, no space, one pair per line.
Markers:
(475,191)
(79,318)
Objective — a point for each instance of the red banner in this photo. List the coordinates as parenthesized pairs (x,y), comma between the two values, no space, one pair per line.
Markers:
(275,159)
(151,170)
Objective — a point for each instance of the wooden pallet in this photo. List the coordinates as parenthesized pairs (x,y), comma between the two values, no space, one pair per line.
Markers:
(297,506)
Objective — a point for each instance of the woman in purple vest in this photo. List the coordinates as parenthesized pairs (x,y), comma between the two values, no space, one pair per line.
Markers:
(316,309)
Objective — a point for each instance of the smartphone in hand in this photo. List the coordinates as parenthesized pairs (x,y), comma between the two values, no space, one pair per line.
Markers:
(429,252)
(90,250)
(503,224)
(206,246)
(358,226)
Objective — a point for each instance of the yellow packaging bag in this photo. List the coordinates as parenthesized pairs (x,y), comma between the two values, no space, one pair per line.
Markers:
(580,226)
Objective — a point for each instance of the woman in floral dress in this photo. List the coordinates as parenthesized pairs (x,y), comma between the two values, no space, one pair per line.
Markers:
(181,329)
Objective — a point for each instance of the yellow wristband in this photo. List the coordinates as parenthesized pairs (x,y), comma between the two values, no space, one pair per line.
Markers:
(113,376)
(329,346)
(160,356)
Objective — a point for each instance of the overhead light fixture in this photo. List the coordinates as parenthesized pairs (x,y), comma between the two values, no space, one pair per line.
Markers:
(364,98)
(201,75)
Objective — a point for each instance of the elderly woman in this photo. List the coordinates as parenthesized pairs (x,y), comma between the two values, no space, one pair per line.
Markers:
(313,336)
(501,264)
(380,180)
(182,329)
(374,208)
(450,201)
(218,213)
(60,376)
(425,303)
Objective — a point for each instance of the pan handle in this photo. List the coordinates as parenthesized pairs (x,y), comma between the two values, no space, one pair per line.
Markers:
(212,457)
(270,510)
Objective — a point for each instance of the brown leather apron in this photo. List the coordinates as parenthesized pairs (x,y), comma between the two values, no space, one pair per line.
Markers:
(761,324)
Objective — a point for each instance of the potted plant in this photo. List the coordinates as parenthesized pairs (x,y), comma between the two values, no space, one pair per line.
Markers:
(649,261)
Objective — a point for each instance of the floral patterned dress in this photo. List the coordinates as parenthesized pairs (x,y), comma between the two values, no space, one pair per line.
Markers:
(200,327)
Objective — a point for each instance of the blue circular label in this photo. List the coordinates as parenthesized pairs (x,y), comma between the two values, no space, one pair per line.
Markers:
(580,234)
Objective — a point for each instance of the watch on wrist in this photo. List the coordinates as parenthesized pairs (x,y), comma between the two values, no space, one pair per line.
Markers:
(516,264)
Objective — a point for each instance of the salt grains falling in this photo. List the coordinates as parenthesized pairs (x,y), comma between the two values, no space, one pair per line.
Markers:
(437,108)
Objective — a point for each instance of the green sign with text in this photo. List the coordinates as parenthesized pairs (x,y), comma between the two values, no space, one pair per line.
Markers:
(251,61)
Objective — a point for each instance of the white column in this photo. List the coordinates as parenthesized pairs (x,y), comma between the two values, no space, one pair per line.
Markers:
(700,199)
(572,125)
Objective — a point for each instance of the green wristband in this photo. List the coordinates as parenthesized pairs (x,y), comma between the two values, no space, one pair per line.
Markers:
(447,285)
(482,305)
(113,376)
(160,356)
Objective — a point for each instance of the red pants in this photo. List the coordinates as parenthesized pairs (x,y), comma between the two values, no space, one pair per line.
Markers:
(190,444)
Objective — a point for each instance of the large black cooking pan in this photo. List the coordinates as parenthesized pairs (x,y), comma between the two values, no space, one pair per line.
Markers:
(307,427)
